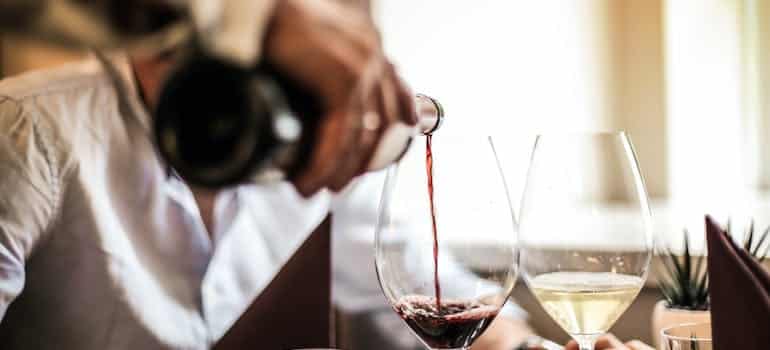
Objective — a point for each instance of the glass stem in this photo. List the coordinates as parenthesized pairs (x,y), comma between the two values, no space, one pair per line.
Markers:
(586,344)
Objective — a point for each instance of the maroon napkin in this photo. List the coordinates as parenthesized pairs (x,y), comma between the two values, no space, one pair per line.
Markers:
(740,294)
(294,311)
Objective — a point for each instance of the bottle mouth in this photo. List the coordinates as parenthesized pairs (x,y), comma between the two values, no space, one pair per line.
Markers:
(430,114)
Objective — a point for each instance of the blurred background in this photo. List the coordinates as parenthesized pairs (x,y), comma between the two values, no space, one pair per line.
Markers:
(689,80)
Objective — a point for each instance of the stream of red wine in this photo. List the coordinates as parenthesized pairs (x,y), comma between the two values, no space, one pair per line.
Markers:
(429,168)
(456,323)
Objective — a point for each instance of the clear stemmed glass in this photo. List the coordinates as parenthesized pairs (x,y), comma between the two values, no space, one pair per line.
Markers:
(585,236)
(692,336)
(476,262)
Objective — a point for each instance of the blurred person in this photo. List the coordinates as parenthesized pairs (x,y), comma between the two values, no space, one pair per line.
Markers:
(101,247)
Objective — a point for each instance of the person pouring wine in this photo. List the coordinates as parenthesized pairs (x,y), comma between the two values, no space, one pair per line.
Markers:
(104,246)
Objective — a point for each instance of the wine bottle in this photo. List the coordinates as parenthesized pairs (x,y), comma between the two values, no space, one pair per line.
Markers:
(218,124)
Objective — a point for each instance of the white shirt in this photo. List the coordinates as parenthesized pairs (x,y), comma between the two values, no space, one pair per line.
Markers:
(99,247)
(111,252)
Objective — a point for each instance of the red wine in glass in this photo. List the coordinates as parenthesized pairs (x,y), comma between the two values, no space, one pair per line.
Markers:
(438,319)
(429,169)
(456,325)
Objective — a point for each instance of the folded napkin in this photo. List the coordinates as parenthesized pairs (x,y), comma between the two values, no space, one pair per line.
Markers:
(740,294)
(294,310)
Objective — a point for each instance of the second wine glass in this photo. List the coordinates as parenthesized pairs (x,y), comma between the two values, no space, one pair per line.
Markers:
(585,233)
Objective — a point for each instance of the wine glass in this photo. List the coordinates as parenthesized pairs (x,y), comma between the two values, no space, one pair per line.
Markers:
(450,289)
(585,234)
(691,336)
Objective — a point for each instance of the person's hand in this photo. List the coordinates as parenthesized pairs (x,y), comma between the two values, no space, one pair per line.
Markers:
(335,52)
(503,334)
(609,342)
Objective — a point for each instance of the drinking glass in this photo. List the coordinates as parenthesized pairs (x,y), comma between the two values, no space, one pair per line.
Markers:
(691,336)
(585,234)
(450,289)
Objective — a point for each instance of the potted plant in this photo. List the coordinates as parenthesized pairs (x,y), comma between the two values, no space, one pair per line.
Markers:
(755,246)
(683,280)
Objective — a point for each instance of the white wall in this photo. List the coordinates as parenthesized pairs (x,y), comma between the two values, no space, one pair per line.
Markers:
(508,68)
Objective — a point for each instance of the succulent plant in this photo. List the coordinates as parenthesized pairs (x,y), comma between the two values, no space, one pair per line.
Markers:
(753,244)
(684,279)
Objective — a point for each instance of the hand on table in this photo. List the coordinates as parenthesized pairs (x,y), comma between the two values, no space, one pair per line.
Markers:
(609,342)
(335,52)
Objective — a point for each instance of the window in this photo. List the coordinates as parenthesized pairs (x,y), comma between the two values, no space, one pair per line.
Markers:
(687,79)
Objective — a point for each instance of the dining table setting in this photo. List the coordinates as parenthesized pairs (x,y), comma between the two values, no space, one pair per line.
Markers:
(584,287)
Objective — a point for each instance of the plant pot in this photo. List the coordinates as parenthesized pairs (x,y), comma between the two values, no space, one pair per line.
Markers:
(663,317)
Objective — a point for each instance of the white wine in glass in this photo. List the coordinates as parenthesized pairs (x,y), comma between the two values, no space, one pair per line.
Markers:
(585,233)
(583,302)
